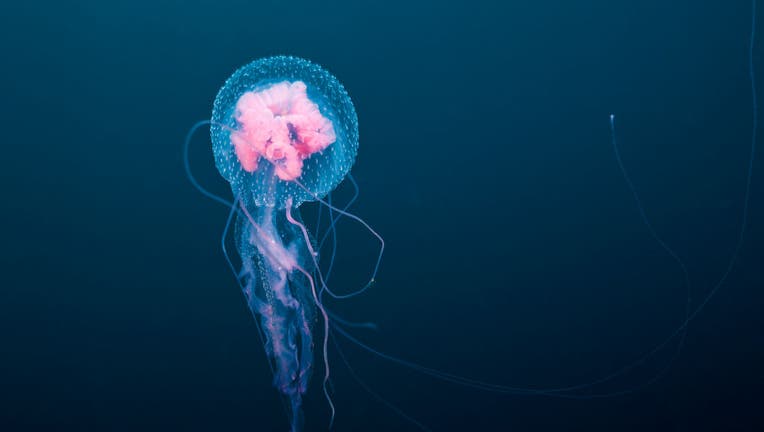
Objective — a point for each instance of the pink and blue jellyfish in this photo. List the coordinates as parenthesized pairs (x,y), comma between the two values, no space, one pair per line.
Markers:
(284,132)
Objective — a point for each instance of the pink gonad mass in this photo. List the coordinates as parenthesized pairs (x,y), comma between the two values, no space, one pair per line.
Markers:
(282,125)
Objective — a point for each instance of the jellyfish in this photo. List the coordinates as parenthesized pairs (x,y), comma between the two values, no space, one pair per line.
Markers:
(284,132)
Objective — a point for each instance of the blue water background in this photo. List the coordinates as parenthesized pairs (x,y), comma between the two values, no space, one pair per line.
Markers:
(515,252)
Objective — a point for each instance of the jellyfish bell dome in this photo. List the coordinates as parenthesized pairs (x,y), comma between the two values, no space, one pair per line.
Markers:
(282,120)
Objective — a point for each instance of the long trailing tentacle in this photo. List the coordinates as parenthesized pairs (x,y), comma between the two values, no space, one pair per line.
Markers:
(366,225)
(662,243)
(332,229)
(320,306)
(187,165)
(374,394)
(555,392)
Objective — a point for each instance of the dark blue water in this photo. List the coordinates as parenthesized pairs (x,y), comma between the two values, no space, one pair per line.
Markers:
(515,251)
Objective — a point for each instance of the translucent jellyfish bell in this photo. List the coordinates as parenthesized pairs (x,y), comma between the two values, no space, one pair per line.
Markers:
(282,120)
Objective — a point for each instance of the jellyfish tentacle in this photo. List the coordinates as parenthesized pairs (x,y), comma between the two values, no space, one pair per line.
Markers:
(689,316)
(661,242)
(351,201)
(749,175)
(320,306)
(430,371)
(372,280)
(556,392)
(319,212)
(374,394)
(187,165)
(332,228)
(333,248)
(351,324)
(234,210)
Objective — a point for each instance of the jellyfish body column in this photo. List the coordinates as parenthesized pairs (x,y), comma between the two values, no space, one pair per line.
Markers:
(277,288)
